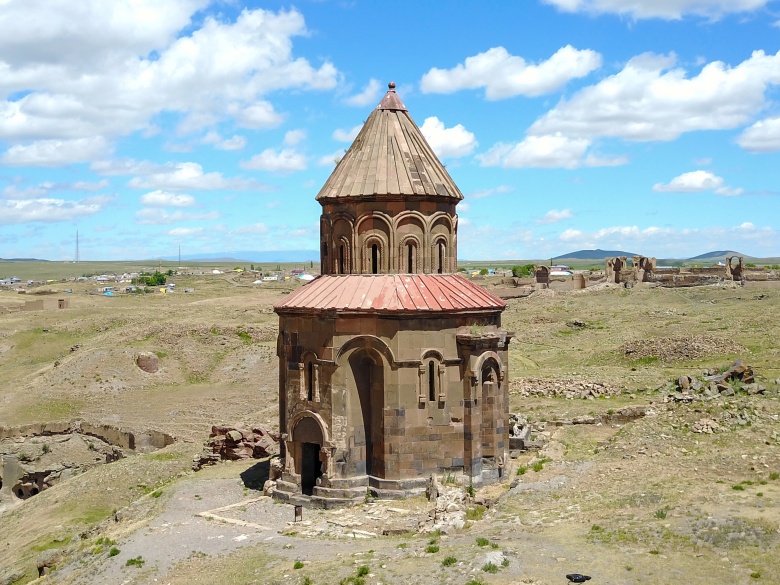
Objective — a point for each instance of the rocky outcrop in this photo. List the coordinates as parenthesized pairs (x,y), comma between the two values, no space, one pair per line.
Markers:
(234,443)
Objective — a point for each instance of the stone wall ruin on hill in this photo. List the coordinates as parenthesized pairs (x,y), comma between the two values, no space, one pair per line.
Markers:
(37,456)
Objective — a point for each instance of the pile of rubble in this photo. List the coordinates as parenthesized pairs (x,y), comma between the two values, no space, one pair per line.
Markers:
(683,348)
(739,377)
(706,426)
(449,511)
(234,443)
(562,388)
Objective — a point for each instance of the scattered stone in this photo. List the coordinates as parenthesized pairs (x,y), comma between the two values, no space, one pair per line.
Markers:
(705,425)
(570,389)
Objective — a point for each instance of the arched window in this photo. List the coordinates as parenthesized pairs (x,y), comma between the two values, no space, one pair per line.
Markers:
(341,259)
(309,378)
(411,257)
(441,257)
(374,259)
(310,381)
(431,381)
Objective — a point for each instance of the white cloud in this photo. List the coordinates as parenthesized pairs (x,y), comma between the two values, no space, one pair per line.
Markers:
(185,232)
(236,142)
(672,242)
(650,100)
(52,153)
(180,176)
(47,210)
(42,189)
(482,193)
(329,160)
(552,151)
(293,137)
(256,228)
(166,199)
(257,116)
(126,166)
(763,136)
(504,75)
(555,215)
(454,142)
(156,216)
(369,96)
(666,9)
(696,182)
(346,135)
(108,69)
(89,186)
(285,160)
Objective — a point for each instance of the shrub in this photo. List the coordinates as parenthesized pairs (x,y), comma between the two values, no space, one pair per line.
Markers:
(449,561)
(113,552)
(481,541)
(298,565)
(476,513)
(490,568)
(432,548)
(135,562)
(363,571)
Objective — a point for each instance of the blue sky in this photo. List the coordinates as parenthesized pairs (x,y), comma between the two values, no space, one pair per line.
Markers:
(651,127)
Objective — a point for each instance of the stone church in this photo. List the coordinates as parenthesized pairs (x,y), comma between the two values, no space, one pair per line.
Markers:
(392,366)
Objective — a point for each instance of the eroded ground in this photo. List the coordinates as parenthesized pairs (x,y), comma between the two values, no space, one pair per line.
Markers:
(649,501)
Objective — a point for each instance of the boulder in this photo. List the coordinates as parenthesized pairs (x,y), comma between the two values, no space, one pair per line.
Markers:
(148,362)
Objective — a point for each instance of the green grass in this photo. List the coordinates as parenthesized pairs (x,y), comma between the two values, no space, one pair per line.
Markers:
(432,548)
(476,513)
(481,541)
(135,562)
(298,565)
(490,568)
(449,561)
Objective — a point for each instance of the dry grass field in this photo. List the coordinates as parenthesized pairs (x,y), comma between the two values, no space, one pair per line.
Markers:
(648,501)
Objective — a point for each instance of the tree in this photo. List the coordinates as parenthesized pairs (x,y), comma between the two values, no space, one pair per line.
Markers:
(522,271)
(483,272)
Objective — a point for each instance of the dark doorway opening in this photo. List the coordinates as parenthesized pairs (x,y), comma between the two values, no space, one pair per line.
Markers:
(310,467)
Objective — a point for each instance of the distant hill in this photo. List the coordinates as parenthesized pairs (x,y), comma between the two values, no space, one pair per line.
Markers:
(22,260)
(716,255)
(253,256)
(593,255)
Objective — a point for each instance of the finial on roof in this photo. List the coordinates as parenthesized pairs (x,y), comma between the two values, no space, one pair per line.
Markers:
(391,101)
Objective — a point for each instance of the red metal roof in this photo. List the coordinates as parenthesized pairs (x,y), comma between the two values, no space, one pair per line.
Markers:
(391,293)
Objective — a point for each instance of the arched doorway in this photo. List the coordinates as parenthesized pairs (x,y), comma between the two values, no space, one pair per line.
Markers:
(490,405)
(367,389)
(307,437)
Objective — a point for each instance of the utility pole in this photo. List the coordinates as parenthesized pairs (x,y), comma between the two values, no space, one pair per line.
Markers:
(77,247)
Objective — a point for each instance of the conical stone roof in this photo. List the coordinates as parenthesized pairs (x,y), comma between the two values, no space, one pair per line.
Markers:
(390,158)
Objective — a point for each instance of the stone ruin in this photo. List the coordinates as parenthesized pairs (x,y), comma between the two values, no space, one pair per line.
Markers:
(642,268)
(543,280)
(542,275)
(232,443)
(734,272)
